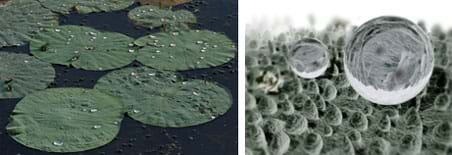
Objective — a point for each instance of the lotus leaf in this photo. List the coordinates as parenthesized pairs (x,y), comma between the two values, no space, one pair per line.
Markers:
(185,50)
(85,6)
(66,120)
(164,99)
(163,2)
(21,74)
(21,19)
(83,47)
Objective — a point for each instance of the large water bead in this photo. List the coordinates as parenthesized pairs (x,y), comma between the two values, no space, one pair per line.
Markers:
(309,58)
(388,60)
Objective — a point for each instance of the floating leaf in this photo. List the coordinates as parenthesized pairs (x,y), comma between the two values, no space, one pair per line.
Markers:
(165,3)
(66,120)
(153,16)
(185,50)
(85,6)
(162,99)
(21,19)
(83,47)
(21,74)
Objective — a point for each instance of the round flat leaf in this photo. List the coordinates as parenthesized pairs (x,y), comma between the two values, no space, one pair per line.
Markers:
(163,99)
(185,50)
(153,16)
(66,120)
(85,6)
(21,74)
(83,47)
(21,19)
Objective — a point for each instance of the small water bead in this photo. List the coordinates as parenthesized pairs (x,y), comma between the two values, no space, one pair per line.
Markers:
(93,110)
(92,33)
(212,117)
(195,93)
(153,57)
(58,143)
(76,52)
(215,46)
(26,61)
(157,51)
(171,57)
(199,42)
(175,33)
(172,45)
(104,37)
(57,30)
(135,111)
(133,74)
(151,74)
(201,58)
(97,127)
(131,51)
(151,36)
(203,51)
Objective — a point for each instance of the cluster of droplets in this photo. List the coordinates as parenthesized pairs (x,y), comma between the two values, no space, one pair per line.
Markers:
(286,114)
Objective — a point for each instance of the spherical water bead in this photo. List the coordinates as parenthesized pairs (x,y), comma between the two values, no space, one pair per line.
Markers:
(266,105)
(296,124)
(441,102)
(333,115)
(279,143)
(442,133)
(255,137)
(250,101)
(410,144)
(359,121)
(388,60)
(309,58)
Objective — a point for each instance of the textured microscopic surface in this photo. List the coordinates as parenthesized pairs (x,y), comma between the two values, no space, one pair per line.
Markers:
(85,6)
(21,74)
(185,50)
(309,58)
(66,120)
(83,47)
(21,19)
(290,115)
(164,99)
(388,60)
(153,16)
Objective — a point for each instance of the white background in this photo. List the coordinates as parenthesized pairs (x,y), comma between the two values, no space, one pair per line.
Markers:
(278,15)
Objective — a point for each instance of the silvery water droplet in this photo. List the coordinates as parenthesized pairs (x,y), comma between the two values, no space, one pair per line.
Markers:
(197,62)
(172,45)
(199,42)
(131,51)
(58,143)
(104,37)
(97,126)
(151,36)
(201,58)
(184,83)
(196,93)
(215,46)
(153,57)
(93,110)
(171,56)
(151,74)
(175,33)
(133,74)
(203,51)
(92,33)
(131,45)
(57,30)
(136,111)
(115,122)
(26,61)
(157,51)
(76,52)
(212,117)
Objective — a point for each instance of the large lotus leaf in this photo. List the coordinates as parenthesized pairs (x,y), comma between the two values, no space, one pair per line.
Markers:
(85,6)
(83,47)
(66,120)
(163,99)
(21,19)
(163,2)
(185,50)
(153,16)
(21,74)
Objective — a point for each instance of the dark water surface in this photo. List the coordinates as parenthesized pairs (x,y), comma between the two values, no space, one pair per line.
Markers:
(217,137)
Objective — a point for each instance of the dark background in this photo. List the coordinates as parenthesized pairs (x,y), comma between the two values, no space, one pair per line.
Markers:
(217,137)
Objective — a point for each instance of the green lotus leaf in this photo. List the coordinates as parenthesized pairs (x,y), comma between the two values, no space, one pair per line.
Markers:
(66,120)
(83,47)
(163,99)
(85,6)
(21,74)
(185,50)
(21,19)
(154,16)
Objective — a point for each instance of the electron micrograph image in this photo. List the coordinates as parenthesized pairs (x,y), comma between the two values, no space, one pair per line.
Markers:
(131,77)
(381,87)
